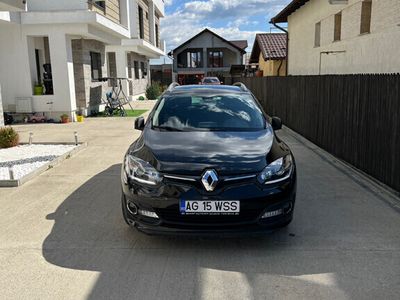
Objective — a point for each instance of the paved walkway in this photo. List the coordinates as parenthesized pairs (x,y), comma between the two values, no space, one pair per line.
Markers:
(62,235)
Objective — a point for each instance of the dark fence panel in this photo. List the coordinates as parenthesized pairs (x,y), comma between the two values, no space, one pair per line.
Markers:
(354,117)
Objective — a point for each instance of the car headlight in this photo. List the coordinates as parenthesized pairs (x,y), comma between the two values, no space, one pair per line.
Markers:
(277,171)
(141,171)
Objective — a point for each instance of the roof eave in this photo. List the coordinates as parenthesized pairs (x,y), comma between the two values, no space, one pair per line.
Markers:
(282,16)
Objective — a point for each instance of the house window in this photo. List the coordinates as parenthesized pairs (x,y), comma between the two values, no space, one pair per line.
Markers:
(366,9)
(112,68)
(141,23)
(338,27)
(136,66)
(215,59)
(95,59)
(144,69)
(157,37)
(317,41)
(100,4)
(194,59)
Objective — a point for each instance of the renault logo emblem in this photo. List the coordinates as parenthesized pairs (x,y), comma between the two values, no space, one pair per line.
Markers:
(209,180)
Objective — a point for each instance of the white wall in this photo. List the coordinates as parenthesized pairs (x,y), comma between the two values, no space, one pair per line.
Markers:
(376,52)
(45,5)
(18,69)
(12,5)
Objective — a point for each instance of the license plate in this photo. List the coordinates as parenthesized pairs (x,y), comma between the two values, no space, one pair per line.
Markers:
(195,207)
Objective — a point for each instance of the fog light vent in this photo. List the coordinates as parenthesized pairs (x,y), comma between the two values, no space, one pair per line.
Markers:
(132,208)
(274,213)
(149,214)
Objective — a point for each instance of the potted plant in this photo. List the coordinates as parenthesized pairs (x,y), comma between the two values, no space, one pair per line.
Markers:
(64,118)
(259,73)
(38,89)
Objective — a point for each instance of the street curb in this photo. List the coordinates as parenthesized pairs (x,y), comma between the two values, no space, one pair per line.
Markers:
(379,189)
(47,166)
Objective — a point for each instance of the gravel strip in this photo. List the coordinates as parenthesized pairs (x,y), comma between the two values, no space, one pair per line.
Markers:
(27,158)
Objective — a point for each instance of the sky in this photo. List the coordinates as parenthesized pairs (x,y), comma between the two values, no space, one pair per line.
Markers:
(232,19)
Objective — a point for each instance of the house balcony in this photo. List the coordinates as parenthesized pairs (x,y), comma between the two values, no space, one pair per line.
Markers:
(139,46)
(86,23)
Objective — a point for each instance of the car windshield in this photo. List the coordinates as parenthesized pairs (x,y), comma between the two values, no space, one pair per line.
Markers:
(228,112)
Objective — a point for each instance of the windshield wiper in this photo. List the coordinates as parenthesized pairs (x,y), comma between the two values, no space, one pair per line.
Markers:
(167,128)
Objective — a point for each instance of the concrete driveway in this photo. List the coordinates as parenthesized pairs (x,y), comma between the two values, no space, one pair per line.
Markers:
(62,235)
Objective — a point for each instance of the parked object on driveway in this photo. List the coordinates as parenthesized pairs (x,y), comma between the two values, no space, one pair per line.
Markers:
(64,118)
(208,162)
(116,98)
(8,119)
(210,81)
(37,118)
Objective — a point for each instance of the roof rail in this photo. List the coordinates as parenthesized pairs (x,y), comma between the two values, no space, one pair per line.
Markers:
(242,86)
(172,86)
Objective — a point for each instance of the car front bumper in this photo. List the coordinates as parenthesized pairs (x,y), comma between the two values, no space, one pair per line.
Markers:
(255,201)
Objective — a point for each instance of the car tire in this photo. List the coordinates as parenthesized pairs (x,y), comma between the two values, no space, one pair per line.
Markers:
(124,210)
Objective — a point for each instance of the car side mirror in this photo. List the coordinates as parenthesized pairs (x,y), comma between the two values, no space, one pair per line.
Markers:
(276,123)
(139,123)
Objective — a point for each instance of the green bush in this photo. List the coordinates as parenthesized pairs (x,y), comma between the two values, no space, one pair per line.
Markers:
(153,91)
(141,98)
(8,137)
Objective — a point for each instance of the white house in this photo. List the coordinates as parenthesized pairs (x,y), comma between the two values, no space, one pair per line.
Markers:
(69,45)
(342,36)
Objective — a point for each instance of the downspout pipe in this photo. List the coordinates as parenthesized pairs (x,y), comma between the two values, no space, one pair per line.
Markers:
(287,44)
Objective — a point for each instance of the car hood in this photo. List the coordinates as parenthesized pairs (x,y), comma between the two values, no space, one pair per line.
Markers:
(189,153)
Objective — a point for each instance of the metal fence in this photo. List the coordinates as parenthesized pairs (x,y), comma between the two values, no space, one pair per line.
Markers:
(354,117)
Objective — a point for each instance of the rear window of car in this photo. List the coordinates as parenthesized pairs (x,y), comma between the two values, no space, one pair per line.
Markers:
(211,80)
(235,112)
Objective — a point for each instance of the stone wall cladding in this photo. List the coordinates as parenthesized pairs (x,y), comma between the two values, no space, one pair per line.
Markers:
(88,92)
(138,86)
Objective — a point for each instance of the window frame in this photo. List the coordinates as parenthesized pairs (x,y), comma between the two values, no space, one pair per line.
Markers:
(211,59)
(198,63)
(96,64)
(317,37)
(337,28)
(143,69)
(366,12)
(141,22)
(136,67)
(157,35)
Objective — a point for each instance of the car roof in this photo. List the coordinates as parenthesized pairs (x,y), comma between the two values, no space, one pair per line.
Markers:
(206,88)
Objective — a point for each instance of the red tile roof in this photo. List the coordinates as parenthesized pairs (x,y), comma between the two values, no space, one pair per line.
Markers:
(271,45)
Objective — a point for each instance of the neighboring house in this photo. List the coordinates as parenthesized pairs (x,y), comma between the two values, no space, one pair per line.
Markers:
(207,54)
(342,37)
(269,53)
(69,45)
(162,74)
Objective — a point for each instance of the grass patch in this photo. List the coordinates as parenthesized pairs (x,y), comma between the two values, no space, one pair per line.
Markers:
(129,113)
(135,113)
